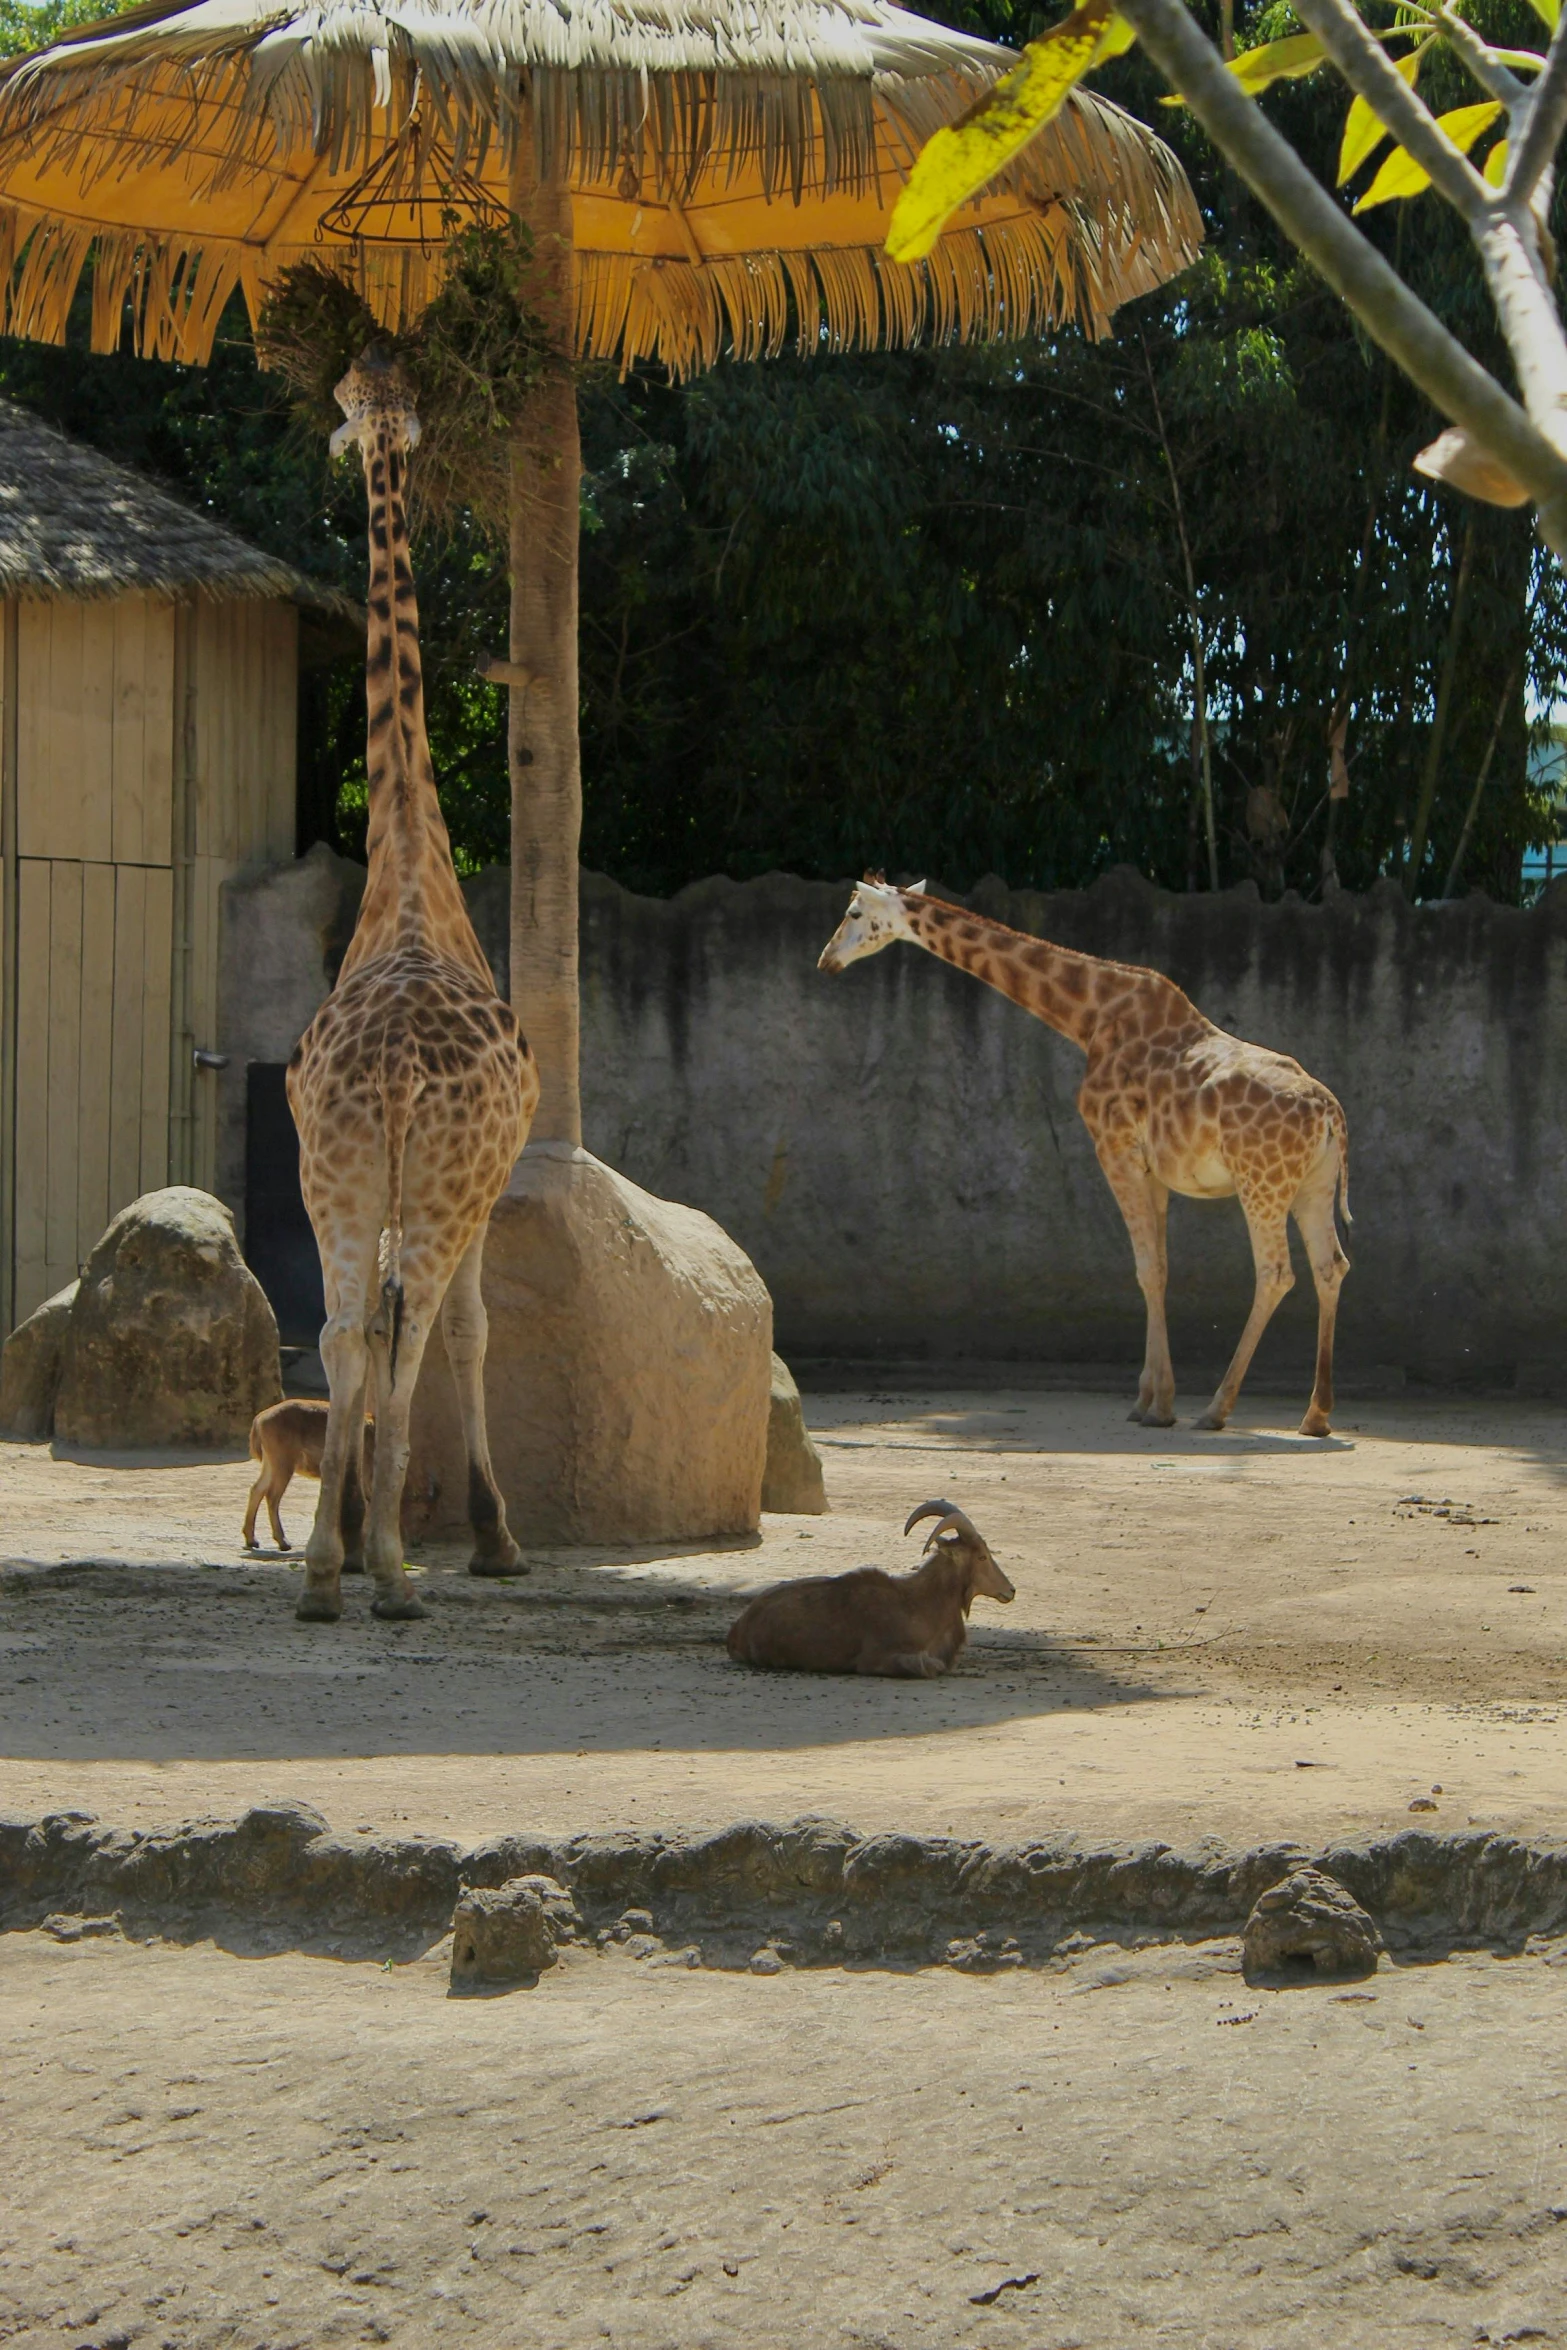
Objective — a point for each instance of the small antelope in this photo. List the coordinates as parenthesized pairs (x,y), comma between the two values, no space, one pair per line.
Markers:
(908,1626)
(287,1441)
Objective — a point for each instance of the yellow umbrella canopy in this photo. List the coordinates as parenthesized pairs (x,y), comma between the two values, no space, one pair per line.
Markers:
(731,168)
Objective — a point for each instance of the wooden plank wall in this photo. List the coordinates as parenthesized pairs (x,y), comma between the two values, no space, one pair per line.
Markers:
(244,670)
(95,980)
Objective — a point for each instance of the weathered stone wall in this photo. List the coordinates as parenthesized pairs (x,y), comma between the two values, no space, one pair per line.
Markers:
(899,1152)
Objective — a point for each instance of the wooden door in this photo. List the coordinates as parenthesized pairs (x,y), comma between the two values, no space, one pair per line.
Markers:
(89,760)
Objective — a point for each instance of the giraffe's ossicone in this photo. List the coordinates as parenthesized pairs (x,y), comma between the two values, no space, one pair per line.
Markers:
(412,1090)
(1171,1103)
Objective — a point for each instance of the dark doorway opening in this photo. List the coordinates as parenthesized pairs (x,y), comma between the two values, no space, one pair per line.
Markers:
(279,1244)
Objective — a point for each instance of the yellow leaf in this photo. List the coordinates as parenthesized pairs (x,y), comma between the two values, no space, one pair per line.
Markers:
(1364,130)
(1401,175)
(957,162)
(1275,61)
(1550,10)
(1494,168)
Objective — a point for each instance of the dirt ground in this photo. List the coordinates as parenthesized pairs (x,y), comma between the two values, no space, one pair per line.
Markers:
(209,2153)
(1247,1634)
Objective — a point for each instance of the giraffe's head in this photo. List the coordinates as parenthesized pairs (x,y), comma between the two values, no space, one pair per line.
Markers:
(877,915)
(377,400)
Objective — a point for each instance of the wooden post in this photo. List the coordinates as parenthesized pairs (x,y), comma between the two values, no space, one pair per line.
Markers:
(544,757)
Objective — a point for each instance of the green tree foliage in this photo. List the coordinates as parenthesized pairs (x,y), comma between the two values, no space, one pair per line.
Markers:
(933,610)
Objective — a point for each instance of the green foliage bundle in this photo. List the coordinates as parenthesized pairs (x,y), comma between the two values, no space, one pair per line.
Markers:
(475,352)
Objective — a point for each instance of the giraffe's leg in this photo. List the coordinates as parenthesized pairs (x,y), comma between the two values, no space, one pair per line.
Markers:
(1144,1204)
(465,1327)
(353,1503)
(343,1352)
(1313,1212)
(1267,1220)
(395,1597)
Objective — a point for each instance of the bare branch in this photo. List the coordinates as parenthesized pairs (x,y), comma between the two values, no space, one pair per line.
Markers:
(1367,68)
(1393,317)
(1534,150)
(1483,63)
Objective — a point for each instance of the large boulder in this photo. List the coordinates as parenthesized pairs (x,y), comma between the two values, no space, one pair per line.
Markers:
(30,1368)
(629,1364)
(171,1340)
(792,1481)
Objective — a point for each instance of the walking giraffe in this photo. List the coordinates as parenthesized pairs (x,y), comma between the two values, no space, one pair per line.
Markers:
(412,1089)
(1171,1104)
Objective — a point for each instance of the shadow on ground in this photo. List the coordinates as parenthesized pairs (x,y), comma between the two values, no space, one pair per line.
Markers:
(106,1663)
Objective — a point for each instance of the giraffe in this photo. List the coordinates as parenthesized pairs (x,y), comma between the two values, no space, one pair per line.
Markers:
(1171,1103)
(412,1089)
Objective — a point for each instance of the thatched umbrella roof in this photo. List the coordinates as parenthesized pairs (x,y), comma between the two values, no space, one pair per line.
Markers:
(732,166)
(73,523)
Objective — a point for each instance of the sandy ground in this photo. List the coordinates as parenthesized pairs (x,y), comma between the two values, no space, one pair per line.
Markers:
(1246,1634)
(221,2154)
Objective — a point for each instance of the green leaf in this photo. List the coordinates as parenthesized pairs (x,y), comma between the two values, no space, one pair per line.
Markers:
(1401,175)
(959,160)
(1275,61)
(1548,10)
(1364,129)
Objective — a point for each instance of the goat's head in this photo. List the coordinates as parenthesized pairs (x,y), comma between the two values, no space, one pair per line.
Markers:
(962,1537)
(877,915)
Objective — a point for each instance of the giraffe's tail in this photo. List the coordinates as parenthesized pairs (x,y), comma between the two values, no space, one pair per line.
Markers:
(402,1082)
(1341,1130)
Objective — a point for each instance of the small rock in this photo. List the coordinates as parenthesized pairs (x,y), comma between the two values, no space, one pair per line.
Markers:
(635,1921)
(69,1929)
(30,1368)
(511,1934)
(1423,1803)
(170,1339)
(766,1962)
(1309,1919)
(792,1480)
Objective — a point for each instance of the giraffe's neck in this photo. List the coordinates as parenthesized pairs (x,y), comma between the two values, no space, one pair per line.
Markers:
(1068,991)
(412,896)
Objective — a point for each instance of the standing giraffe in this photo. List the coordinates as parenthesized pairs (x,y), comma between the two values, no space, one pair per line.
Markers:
(412,1088)
(1171,1104)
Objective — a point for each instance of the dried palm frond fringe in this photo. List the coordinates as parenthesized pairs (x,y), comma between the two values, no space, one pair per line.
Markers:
(1060,265)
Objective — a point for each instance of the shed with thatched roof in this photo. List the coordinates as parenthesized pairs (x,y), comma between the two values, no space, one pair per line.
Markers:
(149,665)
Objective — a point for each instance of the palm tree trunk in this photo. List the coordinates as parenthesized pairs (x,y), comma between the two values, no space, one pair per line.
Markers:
(545,760)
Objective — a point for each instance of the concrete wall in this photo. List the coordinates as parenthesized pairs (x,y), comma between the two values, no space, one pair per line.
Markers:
(899,1149)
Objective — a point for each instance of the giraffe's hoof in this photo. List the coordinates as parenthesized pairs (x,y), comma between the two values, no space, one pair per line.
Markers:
(484,1563)
(353,1566)
(1210,1420)
(1316,1424)
(1150,1416)
(317,1607)
(397,1610)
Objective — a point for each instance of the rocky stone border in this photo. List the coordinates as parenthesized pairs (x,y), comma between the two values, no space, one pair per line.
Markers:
(809,1893)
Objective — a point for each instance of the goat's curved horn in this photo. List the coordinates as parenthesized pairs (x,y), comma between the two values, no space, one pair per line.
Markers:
(950,1515)
(927,1509)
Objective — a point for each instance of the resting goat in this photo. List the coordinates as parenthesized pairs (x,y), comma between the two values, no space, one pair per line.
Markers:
(909,1626)
(287,1440)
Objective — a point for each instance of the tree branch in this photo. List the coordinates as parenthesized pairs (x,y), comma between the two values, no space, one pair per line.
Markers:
(1368,69)
(1486,67)
(1534,150)
(1393,317)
